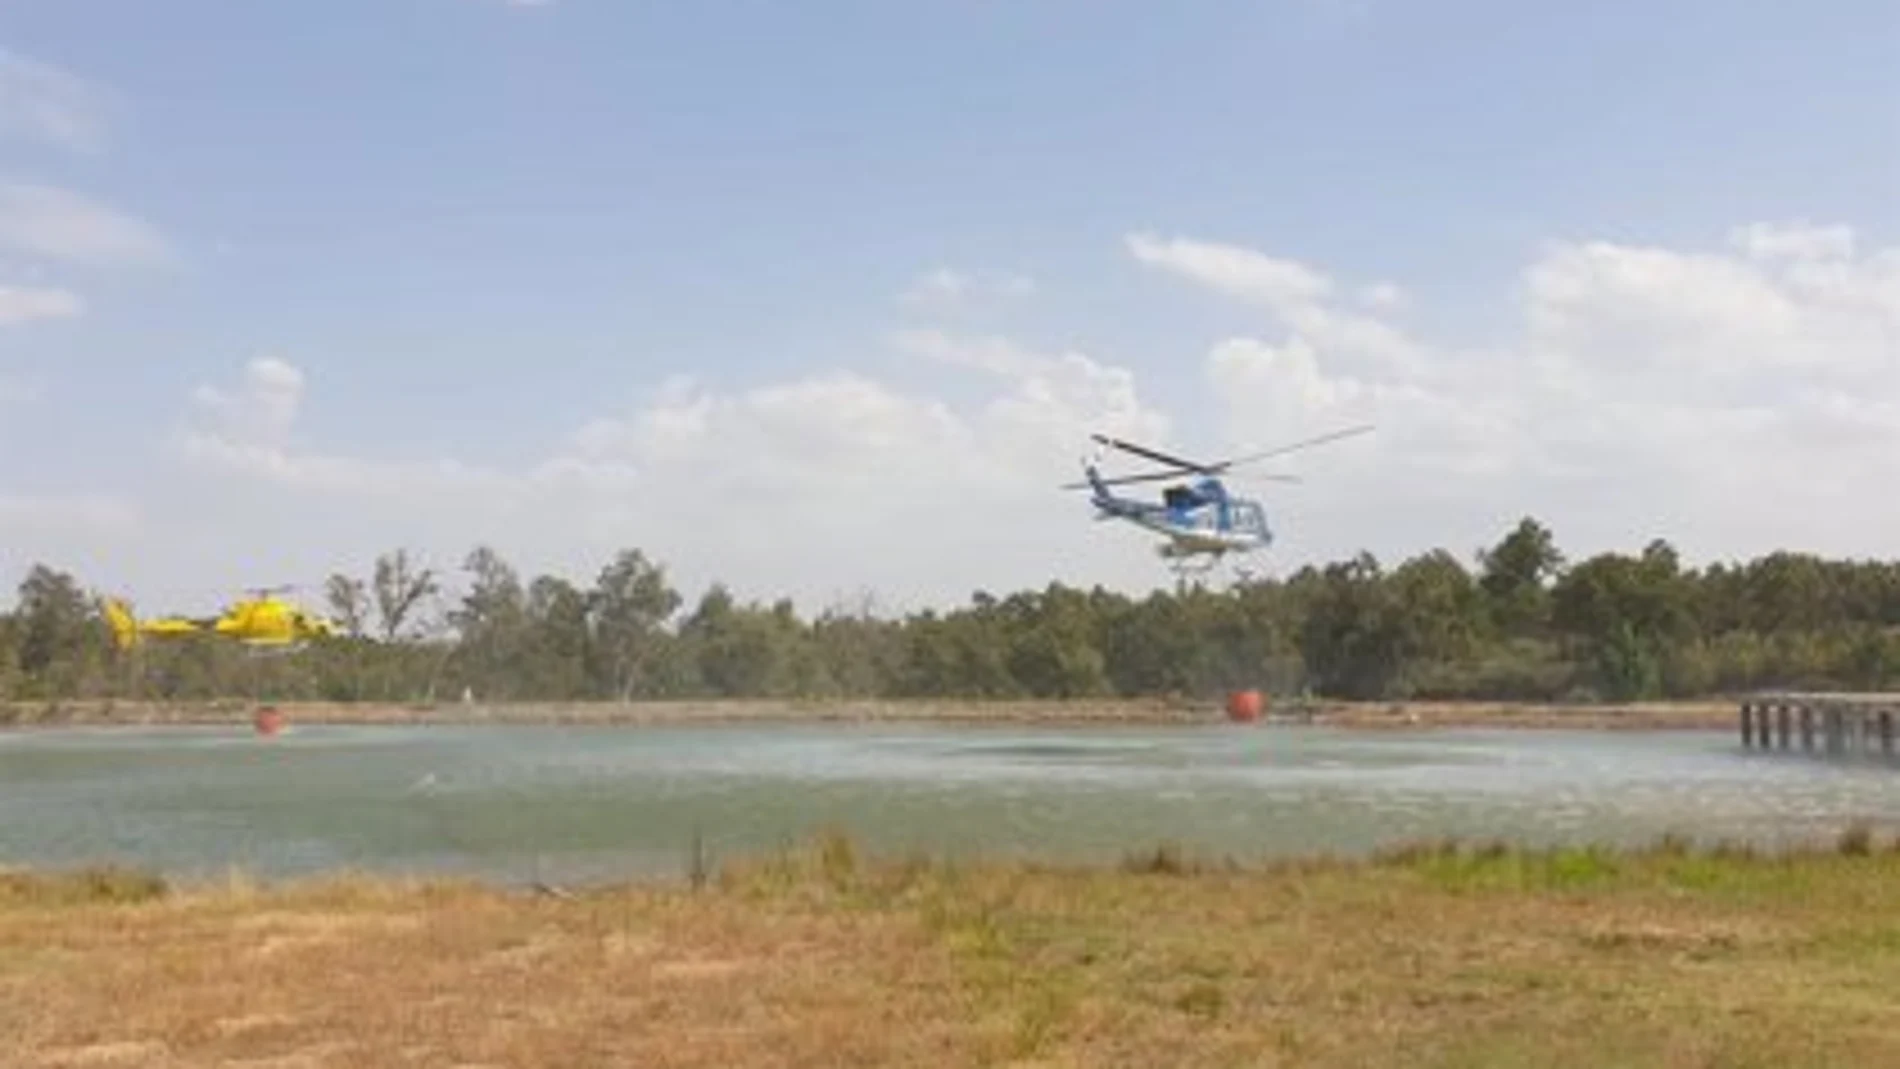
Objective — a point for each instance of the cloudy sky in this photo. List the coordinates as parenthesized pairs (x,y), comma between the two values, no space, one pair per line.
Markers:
(824,298)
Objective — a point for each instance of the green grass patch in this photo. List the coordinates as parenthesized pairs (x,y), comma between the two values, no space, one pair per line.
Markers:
(106,884)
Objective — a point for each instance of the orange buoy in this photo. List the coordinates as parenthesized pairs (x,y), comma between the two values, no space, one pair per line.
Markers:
(267,720)
(1244,705)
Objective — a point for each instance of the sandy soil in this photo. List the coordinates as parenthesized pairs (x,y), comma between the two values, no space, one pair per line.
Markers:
(1711,715)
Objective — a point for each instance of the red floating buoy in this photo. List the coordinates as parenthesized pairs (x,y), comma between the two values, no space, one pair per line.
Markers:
(1244,705)
(267,720)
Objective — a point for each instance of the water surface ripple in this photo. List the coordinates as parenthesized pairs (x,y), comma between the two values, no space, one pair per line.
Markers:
(577,803)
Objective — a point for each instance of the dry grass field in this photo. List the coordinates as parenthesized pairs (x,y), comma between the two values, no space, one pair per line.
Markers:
(1434,956)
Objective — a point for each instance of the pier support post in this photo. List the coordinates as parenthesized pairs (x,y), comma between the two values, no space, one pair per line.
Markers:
(1832,725)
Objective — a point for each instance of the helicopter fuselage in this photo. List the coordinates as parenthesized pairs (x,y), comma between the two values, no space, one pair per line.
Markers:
(1196,518)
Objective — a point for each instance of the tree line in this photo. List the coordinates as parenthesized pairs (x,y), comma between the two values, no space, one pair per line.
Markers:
(1516,622)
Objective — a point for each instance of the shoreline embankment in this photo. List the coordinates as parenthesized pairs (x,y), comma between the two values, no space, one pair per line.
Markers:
(1708,714)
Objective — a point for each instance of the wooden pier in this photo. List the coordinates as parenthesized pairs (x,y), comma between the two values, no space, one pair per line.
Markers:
(1822,725)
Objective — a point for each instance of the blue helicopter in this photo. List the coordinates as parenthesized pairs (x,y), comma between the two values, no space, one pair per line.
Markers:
(1200,520)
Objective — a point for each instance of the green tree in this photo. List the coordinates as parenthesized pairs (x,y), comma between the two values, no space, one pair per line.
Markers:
(401,585)
(348,600)
(57,636)
(492,624)
(1628,614)
(1523,624)
(1516,574)
(1053,651)
(630,602)
(1354,638)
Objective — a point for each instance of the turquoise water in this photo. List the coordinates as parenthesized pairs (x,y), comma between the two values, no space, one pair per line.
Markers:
(581,803)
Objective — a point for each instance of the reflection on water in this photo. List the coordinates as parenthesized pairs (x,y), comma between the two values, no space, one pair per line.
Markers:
(578,802)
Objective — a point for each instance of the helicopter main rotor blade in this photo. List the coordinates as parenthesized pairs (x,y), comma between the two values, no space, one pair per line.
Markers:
(1155,455)
(1303,444)
(1162,476)
(1119,480)
(1145,477)
(1148,477)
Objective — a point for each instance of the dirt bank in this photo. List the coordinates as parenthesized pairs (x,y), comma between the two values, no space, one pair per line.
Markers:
(1710,715)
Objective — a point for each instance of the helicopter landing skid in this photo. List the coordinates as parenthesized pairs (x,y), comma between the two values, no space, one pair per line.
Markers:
(1195,571)
(1186,566)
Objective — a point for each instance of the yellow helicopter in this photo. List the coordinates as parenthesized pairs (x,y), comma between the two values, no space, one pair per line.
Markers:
(263,619)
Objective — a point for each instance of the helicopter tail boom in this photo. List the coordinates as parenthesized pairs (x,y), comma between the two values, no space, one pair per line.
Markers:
(1107,505)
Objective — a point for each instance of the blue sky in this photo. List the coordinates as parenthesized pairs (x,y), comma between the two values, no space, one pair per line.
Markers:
(473,228)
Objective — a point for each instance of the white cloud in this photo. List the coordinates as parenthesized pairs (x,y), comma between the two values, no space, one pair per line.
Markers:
(1733,399)
(946,287)
(1051,402)
(838,481)
(821,484)
(1285,286)
(24,304)
(943,284)
(1428,428)
(1302,299)
(41,220)
(1797,240)
(42,101)
(260,412)
(250,430)
(1791,305)
(1384,296)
